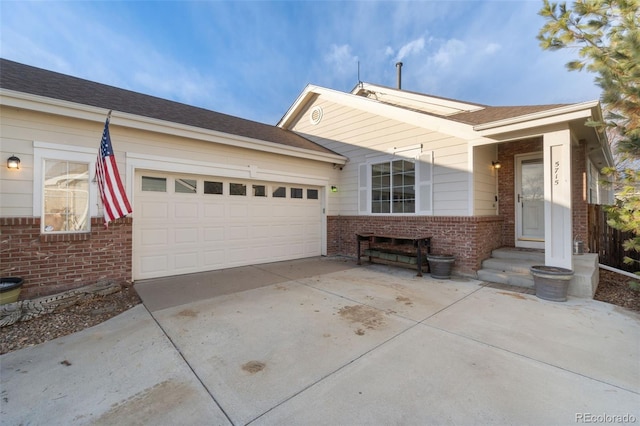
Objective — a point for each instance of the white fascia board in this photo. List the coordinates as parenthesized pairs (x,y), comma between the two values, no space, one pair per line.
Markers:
(456,106)
(91,113)
(542,118)
(293,110)
(438,124)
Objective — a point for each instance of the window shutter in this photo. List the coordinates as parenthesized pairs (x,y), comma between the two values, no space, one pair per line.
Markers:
(425,183)
(363,189)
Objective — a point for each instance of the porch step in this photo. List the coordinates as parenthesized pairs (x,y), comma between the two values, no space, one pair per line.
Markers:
(531,255)
(512,278)
(511,266)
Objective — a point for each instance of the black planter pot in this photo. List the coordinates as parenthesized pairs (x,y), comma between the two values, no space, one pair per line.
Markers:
(440,265)
(552,283)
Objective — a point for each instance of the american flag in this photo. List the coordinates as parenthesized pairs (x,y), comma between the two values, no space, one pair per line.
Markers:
(112,193)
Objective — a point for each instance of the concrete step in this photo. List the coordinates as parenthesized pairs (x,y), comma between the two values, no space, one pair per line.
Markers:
(512,278)
(530,255)
(508,265)
(511,266)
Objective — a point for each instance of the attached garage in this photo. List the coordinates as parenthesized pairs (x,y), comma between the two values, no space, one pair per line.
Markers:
(191,223)
(209,191)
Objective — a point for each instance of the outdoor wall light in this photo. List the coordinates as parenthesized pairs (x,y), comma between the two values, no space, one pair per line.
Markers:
(334,189)
(496,164)
(13,163)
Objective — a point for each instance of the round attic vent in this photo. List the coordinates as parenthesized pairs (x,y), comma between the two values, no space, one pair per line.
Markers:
(316,115)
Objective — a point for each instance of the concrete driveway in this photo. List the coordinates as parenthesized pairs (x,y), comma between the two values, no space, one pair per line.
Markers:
(324,342)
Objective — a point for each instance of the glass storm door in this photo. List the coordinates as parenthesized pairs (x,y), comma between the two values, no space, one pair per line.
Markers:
(529,201)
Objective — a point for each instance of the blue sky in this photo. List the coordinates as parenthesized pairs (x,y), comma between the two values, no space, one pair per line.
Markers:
(252,59)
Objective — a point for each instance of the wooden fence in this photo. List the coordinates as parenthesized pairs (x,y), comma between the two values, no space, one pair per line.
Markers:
(607,242)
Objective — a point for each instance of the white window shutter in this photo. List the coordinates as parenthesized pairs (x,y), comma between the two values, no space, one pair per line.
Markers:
(363,189)
(425,183)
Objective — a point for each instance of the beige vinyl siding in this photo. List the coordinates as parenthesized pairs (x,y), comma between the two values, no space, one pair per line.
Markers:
(484,180)
(21,128)
(358,134)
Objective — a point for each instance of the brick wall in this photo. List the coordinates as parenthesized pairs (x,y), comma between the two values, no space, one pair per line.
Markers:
(579,190)
(506,186)
(469,239)
(51,263)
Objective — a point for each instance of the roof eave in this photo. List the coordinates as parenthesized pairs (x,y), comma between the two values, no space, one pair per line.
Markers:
(91,113)
(419,119)
(550,116)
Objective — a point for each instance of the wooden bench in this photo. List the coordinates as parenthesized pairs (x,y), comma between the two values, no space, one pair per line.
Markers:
(404,250)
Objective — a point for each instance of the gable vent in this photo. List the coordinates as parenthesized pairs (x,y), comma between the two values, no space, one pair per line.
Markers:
(315,115)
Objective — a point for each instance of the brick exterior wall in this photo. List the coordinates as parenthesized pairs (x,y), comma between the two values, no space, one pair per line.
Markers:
(469,239)
(506,186)
(52,263)
(580,205)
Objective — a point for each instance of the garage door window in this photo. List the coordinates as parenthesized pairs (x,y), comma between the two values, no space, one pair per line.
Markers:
(296,192)
(212,187)
(312,194)
(237,189)
(259,191)
(280,192)
(154,184)
(186,186)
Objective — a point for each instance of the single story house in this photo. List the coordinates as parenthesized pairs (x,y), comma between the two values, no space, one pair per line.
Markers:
(212,191)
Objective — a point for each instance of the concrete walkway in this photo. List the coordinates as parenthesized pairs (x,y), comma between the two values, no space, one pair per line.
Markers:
(324,342)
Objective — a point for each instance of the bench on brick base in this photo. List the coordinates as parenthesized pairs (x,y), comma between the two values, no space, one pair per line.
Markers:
(403,250)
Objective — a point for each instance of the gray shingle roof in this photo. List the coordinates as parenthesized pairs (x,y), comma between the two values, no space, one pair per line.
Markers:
(495,113)
(37,81)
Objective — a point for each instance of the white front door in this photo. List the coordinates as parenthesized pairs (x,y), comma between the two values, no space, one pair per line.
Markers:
(529,201)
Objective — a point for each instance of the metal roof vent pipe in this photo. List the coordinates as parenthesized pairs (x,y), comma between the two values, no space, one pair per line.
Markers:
(399,67)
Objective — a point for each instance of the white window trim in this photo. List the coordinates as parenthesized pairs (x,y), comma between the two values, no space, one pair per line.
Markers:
(49,151)
(416,154)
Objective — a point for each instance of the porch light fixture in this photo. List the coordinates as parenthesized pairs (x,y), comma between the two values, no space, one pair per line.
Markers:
(334,189)
(496,164)
(13,163)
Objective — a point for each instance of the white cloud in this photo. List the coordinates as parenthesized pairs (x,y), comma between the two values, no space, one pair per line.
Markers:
(492,48)
(448,52)
(414,47)
(341,58)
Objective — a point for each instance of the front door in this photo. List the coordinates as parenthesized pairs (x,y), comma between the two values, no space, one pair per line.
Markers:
(529,201)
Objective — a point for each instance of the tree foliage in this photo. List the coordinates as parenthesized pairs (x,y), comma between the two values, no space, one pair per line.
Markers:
(606,34)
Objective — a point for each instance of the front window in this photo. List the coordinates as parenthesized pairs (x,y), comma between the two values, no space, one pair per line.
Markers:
(66,196)
(393,187)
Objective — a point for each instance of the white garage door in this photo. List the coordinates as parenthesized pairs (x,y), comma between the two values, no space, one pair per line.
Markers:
(188,223)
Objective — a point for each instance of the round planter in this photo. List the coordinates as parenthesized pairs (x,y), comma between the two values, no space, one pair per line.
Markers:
(440,265)
(551,282)
(10,289)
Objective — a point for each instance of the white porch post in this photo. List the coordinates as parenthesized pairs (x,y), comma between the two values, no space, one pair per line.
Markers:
(558,242)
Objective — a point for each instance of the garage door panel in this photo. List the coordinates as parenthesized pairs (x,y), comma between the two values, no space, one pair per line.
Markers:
(235,233)
(238,211)
(154,210)
(154,237)
(216,211)
(154,265)
(186,235)
(186,261)
(184,210)
(261,231)
(212,235)
(177,233)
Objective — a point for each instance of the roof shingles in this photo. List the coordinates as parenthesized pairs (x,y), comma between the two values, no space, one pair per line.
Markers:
(37,81)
